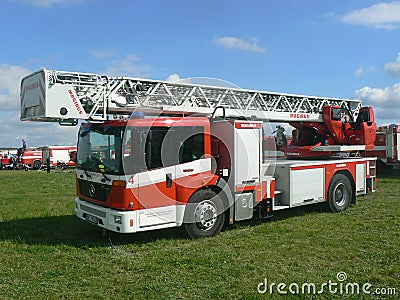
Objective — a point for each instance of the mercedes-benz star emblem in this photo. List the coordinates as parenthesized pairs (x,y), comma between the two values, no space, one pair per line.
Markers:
(92,190)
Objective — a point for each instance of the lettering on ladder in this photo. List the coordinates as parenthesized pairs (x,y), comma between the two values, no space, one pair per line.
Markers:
(75,101)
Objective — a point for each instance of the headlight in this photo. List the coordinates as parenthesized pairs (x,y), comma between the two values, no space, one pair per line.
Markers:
(118,219)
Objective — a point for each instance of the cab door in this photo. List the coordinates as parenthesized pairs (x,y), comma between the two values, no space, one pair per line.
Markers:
(157,187)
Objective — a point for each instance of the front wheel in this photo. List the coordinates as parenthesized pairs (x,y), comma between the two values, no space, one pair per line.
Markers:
(36,164)
(204,215)
(340,193)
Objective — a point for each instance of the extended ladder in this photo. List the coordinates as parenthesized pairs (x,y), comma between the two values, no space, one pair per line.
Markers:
(64,96)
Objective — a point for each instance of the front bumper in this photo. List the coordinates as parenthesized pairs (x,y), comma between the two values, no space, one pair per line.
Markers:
(130,221)
(107,218)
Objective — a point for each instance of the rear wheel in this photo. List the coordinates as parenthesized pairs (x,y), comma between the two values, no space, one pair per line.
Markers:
(37,164)
(204,215)
(340,193)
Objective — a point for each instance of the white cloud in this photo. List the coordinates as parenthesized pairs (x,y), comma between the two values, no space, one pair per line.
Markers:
(361,70)
(49,3)
(10,77)
(384,15)
(101,54)
(36,134)
(231,42)
(384,100)
(129,66)
(173,77)
(393,67)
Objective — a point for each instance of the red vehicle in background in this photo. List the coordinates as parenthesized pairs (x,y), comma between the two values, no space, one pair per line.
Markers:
(31,158)
(5,155)
(4,160)
(59,155)
(386,147)
(35,158)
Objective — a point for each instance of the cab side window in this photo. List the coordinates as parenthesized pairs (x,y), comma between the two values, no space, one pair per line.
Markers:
(159,147)
(192,148)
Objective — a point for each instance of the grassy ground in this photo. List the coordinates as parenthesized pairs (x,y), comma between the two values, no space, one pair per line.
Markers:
(46,253)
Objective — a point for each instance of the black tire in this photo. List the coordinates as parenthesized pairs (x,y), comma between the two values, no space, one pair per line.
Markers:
(36,164)
(340,193)
(204,214)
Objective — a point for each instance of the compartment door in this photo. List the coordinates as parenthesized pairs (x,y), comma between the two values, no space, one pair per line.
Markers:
(360,178)
(247,153)
(308,185)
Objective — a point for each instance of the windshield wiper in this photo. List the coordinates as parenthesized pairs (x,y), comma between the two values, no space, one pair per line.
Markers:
(105,177)
(87,174)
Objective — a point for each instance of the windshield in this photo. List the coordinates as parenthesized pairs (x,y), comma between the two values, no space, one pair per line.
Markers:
(99,149)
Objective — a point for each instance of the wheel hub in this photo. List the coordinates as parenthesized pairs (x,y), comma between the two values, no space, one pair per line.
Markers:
(206,214)
(340,194)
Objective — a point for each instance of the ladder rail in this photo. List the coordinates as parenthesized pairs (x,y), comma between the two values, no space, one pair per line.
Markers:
(100,95)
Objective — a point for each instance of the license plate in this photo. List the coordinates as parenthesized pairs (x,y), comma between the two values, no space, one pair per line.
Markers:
(92,219)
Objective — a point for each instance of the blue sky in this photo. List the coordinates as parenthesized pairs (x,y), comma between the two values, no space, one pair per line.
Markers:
(346,48)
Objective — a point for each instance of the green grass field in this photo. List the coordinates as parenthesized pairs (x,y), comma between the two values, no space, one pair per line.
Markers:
(46,253)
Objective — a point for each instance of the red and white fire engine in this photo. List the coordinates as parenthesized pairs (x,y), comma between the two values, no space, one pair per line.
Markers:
(31,158)
(386,147)
(156,154)
(5,155)
(59,155)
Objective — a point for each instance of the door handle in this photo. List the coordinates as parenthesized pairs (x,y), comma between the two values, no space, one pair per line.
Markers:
(168,180)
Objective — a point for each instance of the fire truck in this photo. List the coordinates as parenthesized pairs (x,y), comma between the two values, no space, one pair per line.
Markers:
(32,158)
(156,154)
(386,147)
(5,154)
(61,156)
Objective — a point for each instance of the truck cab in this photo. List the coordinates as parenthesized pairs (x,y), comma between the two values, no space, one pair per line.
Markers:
(148,166)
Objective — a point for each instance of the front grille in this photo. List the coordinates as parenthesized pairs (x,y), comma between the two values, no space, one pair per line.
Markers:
(94,190)
(93,211)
